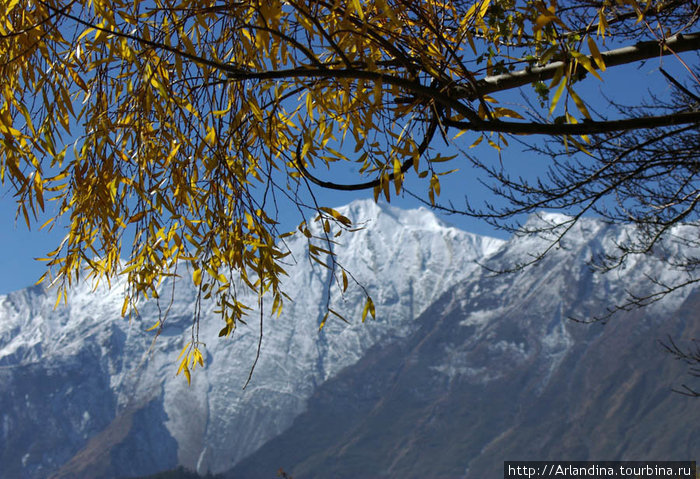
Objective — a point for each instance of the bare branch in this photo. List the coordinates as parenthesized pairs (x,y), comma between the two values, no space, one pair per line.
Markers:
(621,56)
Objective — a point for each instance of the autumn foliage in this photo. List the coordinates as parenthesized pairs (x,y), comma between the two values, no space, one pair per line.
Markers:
(165,132)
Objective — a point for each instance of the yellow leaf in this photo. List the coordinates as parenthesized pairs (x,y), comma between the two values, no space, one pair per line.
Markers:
(173,153)
(153,327)
(335,214)
(477,141)
(385,187)
(226,330)
(482,111)
(338,315)
(46,223)
(460,133)
(602,22)
(482,9)
(125,305)
(277,306)
(398,176)
(543,20)
(137,217)
(470,39)
(58,298)
(25,213)
(558,73)
(86,32)
(197,277)
(210,139)
(586,63)
(222,112)
(557,95)
(579,103)
(187,346)
(547,15)
(477,15)
(595,53)
(183,365)
(357,5)
(499,112)
(78,80)
(435,184)
(305,149)
(369,308)
(397,167)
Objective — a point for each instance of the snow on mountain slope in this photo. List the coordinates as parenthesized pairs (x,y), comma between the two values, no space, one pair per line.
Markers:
(496,371)
(83,390)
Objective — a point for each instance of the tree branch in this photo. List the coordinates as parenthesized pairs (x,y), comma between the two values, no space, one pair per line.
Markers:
(585,128)
(368,184)
(621,56)
(452,98)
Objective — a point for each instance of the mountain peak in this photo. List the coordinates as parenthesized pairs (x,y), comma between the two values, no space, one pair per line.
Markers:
(119,397)
(550,226)
(546,220)
(367,210)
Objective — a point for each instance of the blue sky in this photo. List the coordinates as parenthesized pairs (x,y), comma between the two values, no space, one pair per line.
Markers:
(19,247)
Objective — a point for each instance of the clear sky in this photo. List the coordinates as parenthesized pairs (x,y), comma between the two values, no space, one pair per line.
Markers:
(19,247)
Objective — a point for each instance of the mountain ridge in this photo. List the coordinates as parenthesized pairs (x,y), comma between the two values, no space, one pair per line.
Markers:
(295,357)
(484,382)
(113,393)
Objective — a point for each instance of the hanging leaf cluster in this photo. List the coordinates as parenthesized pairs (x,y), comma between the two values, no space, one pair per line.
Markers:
(164,132)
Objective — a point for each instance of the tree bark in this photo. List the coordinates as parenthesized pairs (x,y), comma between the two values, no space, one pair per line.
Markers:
(621,56)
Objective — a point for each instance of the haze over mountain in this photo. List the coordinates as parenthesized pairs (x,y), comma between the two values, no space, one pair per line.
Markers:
(461,370)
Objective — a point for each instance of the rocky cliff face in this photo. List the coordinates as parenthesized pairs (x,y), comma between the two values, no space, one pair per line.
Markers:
(84,390)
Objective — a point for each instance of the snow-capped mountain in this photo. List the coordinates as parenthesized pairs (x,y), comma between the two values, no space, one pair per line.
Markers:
(83,389)
(496,371)
(460,367)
